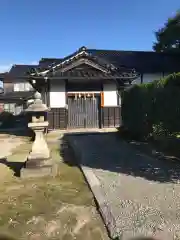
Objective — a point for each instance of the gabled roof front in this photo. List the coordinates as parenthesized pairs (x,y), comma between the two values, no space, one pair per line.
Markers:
(78,55)
(67,67)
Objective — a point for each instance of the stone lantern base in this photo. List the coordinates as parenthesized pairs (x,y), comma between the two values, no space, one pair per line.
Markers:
(40,148)
(39,162)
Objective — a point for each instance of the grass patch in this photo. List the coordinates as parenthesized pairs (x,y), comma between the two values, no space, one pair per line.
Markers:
(49,208)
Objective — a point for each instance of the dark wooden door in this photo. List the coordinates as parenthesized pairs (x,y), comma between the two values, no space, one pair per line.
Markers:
(83,112)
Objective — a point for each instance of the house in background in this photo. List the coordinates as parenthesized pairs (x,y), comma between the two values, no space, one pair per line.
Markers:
(83,89)
(16,90)
(2,75)
(1,90)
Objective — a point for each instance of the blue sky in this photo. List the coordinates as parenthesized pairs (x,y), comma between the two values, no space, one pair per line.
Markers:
(42,28)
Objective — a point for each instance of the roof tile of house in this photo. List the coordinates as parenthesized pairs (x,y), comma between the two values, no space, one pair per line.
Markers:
(20,70)
(16,95)
(2,75)
(141,61)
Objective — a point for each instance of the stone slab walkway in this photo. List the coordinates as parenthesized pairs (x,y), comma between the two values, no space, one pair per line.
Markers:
(137,195)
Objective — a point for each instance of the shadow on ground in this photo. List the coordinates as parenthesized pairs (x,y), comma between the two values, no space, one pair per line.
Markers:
(6,237)
(108,152)
(15,166)
(67,153)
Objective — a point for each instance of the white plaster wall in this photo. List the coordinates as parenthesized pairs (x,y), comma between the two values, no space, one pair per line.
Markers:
(110,94)
(150,77)
(57,94)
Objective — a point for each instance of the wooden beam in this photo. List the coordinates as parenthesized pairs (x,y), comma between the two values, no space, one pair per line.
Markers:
(80,62)
(102,99)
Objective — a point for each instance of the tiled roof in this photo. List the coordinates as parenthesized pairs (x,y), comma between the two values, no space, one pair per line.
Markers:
(91,73)
(85,57)
(67,67)
(16,95)
(46,62)
(20,70)
(140,60)
(2,75)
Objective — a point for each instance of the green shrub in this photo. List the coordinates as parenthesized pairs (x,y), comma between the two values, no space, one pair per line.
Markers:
(159,131)
(152,108)
(137,109)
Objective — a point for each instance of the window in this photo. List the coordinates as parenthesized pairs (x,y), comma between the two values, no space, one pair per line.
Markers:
(18,109)
(22,87)
(27,86)
(13,108)
(9,107)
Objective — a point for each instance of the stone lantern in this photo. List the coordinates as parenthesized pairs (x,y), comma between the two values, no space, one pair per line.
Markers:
(40,151)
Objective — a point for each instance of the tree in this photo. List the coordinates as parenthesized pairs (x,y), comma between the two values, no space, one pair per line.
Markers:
(168,37)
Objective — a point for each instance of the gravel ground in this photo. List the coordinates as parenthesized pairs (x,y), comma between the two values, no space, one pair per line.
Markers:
(143,192)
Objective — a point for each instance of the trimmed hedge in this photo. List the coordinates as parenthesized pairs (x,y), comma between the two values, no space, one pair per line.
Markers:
(152,108)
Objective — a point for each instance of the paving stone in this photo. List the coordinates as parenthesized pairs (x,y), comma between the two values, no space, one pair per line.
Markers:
(7,144)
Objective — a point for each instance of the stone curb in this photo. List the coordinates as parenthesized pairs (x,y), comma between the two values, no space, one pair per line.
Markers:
(95,186)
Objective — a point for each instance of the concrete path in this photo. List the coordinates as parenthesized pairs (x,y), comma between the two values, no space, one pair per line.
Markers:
(7,144)
(137,195)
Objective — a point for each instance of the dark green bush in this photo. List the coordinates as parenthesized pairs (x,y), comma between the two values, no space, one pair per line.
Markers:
(137,110)
(7,120)
(153,107)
